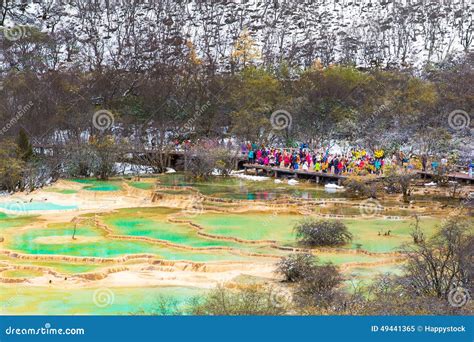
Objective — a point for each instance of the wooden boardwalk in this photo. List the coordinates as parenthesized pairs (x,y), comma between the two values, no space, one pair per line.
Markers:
(454,176)
(319,177)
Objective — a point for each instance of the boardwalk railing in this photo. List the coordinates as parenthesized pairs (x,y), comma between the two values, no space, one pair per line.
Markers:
(319,177)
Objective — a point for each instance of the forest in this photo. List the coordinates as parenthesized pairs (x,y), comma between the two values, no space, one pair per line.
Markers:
(89,85)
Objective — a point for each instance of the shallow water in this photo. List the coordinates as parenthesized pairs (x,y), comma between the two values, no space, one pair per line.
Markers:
(61,191)
(30,300)
(12,221)
(97,185)
(238,189)
(153,223)
(250,226)
(258,226)
(142,185)
(103,247)
(369,233)
(25,207)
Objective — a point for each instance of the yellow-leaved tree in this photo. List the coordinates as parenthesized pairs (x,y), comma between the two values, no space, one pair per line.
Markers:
(244,51)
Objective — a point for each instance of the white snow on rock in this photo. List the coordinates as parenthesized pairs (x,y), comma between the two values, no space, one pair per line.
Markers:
(250,177)
(132,169)
(292,182)
(333,186)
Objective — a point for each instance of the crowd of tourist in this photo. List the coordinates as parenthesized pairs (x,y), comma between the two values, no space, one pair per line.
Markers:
(354,160)
(318,160)
(324,160)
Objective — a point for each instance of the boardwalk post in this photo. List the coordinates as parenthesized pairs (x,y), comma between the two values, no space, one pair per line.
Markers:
(278,172)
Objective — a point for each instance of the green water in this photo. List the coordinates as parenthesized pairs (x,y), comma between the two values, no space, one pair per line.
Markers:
(371,272)
(26,242)
(97,185)
(56,239)
(71,268)
(366,233)
(343,258)
(234,188)
(61,267)
(358,277)
(250,226)
(61,191)
(25,273)
(104,187)
(152,223)
(20,300)
(257,226)
(25,207)
(12,221)
(142,185)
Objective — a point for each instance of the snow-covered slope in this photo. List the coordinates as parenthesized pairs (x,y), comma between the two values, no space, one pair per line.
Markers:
(397,32)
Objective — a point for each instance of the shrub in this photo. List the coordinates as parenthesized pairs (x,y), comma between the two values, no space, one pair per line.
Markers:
(436,266)
(252,299)
(206,157)
(11,166)
(319,286)
(96,157)
(357,186)
(314,233)
(399,181)
(295,266)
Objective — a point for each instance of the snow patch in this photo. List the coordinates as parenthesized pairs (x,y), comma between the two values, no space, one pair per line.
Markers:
(250,177)
(333,186)
(132,169)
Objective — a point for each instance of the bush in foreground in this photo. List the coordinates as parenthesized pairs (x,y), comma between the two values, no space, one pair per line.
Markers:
(319,287)
(241,300)
(295,266)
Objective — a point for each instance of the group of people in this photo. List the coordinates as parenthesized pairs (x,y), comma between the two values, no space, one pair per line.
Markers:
(318,160)
(355,160)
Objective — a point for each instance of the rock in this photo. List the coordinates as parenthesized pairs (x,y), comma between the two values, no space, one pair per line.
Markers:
(333,186)
(292,182)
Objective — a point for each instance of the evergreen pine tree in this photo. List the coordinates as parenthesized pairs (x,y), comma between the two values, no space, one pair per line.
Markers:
(25,150)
